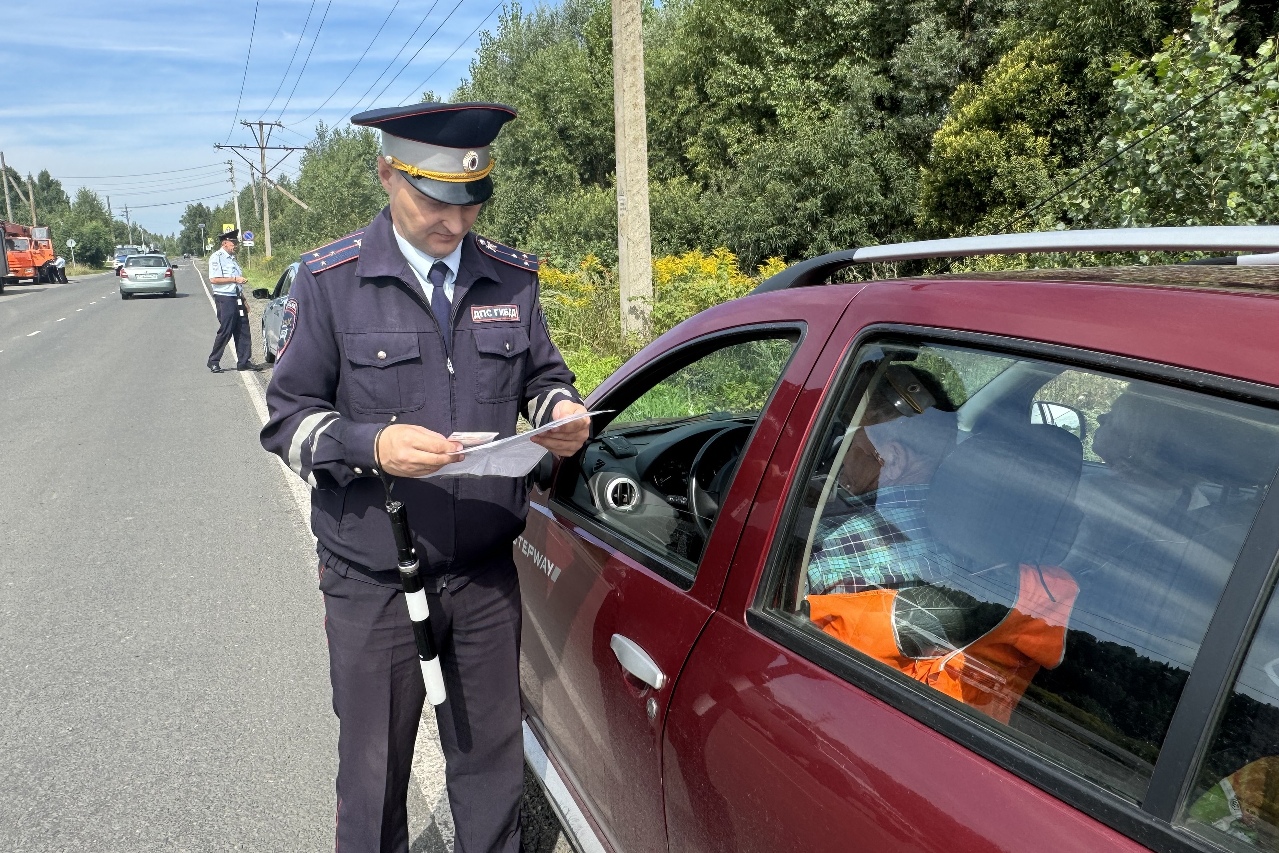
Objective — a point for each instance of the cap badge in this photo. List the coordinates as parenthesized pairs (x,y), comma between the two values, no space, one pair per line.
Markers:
(471,161)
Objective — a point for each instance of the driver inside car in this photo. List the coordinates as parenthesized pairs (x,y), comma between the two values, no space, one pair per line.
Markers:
(872,532)
(993,609)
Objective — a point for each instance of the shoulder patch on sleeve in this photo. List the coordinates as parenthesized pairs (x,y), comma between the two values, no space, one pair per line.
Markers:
(334,254)
(514,257)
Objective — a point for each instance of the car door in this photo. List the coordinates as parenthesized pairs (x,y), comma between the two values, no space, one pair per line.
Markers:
(617,576)
(273,314)
(785,734)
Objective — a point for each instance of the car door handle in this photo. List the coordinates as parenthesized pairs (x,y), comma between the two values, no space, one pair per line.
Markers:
(637,662)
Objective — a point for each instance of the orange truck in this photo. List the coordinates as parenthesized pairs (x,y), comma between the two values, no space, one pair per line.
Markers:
(28,253)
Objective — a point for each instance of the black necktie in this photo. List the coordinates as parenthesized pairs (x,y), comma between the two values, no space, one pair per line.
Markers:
(440,305)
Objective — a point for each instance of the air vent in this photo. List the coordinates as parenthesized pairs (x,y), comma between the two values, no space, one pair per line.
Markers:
(615,492)
(623,494)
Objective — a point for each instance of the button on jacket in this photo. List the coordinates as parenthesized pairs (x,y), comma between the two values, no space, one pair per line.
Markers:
(365,349)
(222,264)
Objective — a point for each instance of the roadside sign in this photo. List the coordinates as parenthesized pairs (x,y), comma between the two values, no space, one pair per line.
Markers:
(247,237)
(228,226)
(71,244)
(248,243)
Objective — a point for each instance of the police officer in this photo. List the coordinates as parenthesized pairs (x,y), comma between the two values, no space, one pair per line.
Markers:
(227,280)
(393,338)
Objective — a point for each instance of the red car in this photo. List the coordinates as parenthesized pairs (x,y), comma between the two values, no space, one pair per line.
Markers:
(961,563)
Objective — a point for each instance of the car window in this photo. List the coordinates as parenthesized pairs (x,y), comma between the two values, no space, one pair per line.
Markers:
(146,261)
(1235,800)
(285,282)
(19,244)
(658,472)
(977,549)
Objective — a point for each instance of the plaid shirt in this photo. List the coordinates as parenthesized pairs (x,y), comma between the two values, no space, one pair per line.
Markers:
(881,541)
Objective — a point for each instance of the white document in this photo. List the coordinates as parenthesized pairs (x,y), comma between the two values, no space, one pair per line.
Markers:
(506,457)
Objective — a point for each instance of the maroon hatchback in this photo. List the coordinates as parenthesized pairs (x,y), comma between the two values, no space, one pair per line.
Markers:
(961,563)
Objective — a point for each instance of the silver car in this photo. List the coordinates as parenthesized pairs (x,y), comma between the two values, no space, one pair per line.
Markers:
(273,315)
(147,274)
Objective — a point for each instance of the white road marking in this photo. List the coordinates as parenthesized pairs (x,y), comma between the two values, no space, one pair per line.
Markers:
(60,319)
(33,334)
(79,309)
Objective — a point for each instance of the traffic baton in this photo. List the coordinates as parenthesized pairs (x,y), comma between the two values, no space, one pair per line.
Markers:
(415,595)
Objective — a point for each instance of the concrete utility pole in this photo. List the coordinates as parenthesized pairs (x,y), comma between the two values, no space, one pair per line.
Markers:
(31,196)
(634,237)
(262,136)
(129,222)
(235,194)
(4,179)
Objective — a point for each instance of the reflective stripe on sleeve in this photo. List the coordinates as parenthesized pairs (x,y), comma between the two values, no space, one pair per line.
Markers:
(309,424)
(543,410)
(315,439)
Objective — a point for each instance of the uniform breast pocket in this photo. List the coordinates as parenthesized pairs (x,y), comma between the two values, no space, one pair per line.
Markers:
(385,371)
(499,376)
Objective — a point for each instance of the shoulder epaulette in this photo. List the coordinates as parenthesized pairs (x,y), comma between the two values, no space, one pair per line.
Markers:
(514,257)
(334,254)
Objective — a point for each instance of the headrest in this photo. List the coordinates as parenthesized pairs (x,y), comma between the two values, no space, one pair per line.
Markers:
(1004,497)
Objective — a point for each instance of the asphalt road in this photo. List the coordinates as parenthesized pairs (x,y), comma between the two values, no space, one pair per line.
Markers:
(163,672)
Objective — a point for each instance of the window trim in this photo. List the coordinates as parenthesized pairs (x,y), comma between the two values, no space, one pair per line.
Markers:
(676,358)
(1190,731)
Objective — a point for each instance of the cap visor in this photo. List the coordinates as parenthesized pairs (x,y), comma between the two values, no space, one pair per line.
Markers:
(473,192)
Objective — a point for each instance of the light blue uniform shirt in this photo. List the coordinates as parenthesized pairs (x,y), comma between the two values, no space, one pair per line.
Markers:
(420,262)
(222,265)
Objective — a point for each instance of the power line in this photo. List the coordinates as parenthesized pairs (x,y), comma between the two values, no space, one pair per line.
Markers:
(136,175)
(131,193)
(188,201)
(126,186)
(307,62)
(421,86)
(357,64)
(252,29)
(360,99)
(288,67)
(419,50)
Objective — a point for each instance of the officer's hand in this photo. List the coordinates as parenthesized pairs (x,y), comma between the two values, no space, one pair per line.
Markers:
(406,450)
(568,439)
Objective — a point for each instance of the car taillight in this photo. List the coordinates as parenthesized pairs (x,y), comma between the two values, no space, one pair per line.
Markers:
(168,273)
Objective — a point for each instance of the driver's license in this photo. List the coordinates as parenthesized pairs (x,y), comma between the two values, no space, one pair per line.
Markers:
(471,439)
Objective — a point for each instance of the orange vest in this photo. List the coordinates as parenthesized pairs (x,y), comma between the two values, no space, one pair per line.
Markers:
(990,673)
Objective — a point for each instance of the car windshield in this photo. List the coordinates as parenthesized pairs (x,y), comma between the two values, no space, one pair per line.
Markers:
(147,261)
(19,245)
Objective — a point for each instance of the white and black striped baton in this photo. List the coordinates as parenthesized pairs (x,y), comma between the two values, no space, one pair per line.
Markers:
(415,595)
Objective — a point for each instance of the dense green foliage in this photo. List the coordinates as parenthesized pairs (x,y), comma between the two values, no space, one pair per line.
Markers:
(780,129)
(84,219)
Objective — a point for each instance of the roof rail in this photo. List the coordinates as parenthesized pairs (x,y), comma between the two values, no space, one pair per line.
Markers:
(1205,238)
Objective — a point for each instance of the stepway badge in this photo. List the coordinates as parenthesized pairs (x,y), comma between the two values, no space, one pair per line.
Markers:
(495,313)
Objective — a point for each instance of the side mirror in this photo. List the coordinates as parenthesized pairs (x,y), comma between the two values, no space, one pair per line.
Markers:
(1059,415)
(261,293)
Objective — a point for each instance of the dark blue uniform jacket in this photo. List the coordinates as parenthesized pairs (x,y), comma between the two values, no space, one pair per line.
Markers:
(363,349)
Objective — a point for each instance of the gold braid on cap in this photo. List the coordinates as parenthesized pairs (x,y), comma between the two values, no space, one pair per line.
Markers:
(449,177)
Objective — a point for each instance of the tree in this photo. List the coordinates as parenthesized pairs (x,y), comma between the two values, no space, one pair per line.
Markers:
(1194,134)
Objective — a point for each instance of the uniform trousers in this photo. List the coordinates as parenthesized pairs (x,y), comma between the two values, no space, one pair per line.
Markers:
(378,697)
(231,323)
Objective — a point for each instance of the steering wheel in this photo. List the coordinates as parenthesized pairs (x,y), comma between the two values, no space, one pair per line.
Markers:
(703,503)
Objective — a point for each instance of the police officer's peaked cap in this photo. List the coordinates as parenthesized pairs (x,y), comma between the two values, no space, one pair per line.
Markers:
(233,234)
(443,149)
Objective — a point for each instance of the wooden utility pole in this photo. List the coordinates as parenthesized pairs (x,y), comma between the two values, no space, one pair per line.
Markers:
(262,136)
(634,238)
(235,193)
(4,179)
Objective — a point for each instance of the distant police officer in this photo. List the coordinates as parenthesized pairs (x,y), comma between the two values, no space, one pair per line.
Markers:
(227,280)
(393,338)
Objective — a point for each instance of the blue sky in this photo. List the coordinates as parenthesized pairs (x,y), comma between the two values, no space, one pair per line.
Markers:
(107,95)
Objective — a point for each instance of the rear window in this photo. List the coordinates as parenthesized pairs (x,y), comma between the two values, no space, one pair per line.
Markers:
(146,261)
